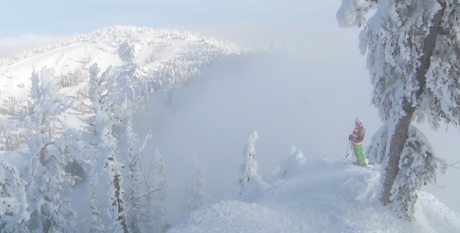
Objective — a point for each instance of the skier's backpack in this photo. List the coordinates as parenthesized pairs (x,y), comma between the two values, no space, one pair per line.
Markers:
(361,134)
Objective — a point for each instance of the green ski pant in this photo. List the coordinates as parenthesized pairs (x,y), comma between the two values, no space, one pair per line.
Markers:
(359,153)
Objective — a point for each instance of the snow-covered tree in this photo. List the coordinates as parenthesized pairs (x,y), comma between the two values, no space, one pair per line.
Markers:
(48,180)
(47,104)
(195,191)
(418,166)
(133,195)
(292,166)
(13,200)
(114,141)
(105,98)
(412,51)
(155,184)
(137,208)
(95,222)
(293,163)
(128,50)
(48,189)
(116,193)
(249,175)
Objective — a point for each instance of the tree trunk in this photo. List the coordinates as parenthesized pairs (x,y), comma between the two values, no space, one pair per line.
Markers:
(397,145)
(399,138)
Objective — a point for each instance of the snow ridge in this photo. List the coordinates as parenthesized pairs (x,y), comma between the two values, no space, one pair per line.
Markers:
(322,196)
(150,60)
(110,36)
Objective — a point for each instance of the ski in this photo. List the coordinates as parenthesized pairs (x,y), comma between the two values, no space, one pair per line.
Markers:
(370,167)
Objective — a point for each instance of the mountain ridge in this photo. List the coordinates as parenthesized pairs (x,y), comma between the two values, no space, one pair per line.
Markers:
(155,59)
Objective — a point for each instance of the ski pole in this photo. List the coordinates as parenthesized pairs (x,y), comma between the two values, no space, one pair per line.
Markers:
(348,150)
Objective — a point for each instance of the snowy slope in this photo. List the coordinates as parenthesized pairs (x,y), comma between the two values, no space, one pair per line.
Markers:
(323,196)
(161,57)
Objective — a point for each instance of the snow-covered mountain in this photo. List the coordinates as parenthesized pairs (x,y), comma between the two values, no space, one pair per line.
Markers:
(201,99)
(164,58)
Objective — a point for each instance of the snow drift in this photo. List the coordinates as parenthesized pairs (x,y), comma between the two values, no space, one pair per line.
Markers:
(321,196)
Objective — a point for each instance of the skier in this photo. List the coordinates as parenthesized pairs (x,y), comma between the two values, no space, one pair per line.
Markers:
(356,139)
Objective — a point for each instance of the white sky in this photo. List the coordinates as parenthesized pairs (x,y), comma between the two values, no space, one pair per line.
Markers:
(242,21)
(28,24)
(53,17)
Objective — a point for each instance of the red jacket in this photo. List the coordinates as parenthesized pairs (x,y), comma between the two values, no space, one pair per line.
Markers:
(353,137)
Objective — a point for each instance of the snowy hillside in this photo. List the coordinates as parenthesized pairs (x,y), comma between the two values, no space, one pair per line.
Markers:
(159,58)
(178,112)
(318,196)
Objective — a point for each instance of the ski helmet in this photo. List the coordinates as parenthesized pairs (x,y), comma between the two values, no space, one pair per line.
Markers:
(358,120)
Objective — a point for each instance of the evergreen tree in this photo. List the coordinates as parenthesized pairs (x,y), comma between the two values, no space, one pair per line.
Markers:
(137,194)
(155,185)
(293,164)
(195,191)
(50,210)
(134,199)
(249,175)
(13,200)
(95,223)
(105,98)
(412,51)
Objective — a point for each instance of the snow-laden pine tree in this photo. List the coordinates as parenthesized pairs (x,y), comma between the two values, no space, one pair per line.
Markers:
(13,200)
(412,52)
(293,164)
(196,197)
(249,175)
(95,224)
(155,184)
(105,97)
(128,50)
(133,196)
(136,196)
(51,211)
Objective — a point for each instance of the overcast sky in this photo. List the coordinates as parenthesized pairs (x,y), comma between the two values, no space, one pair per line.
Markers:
(246,22)
(53,17)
